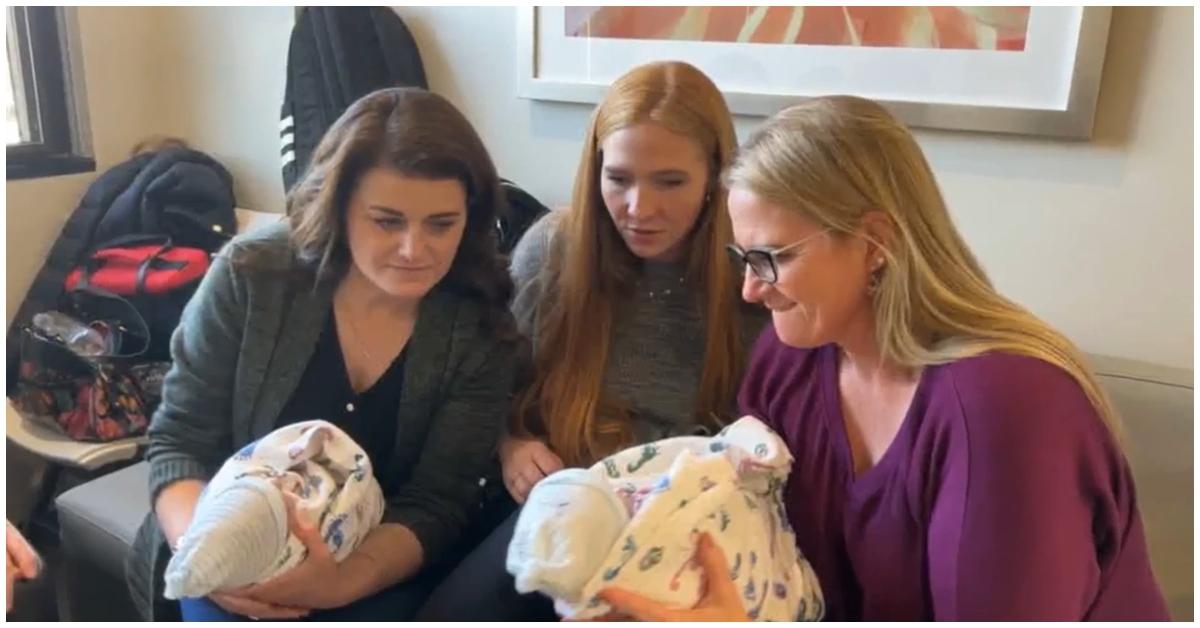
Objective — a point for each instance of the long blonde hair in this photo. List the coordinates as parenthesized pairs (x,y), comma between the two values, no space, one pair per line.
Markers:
(837,158)
(589,268)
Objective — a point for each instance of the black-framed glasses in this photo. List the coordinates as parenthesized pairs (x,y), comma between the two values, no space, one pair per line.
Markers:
(762,261)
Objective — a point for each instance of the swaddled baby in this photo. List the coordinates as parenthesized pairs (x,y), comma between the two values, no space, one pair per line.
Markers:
(633,520)
(239,535)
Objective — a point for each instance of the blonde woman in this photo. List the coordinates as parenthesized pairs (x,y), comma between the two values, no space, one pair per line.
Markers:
(955,457)
(637,332)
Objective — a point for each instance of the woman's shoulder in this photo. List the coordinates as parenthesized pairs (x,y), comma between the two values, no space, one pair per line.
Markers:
(466,319)
(459,334)
(1008,398)
(1009,380)
(265,248)
(531,251)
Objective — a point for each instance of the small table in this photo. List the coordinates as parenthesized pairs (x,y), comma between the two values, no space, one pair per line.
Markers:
(58,449)
(60,452)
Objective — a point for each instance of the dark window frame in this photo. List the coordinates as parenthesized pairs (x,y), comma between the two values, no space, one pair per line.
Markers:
(54,148)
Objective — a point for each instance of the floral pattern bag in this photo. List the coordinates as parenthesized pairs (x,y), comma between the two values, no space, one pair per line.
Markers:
(93,398)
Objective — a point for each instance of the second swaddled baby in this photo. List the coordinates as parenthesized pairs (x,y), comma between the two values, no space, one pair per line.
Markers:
(633,520)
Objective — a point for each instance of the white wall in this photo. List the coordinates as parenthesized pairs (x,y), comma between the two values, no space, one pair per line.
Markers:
(212,76)
(1096,237)
(224,89)
(120,50)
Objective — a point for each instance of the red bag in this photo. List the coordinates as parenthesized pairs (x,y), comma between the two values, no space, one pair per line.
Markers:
(144,269)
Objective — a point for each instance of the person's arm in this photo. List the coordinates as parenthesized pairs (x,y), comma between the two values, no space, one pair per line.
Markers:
(175,508)
(391,553)
(1026,497)
(458,450)
(526,266)
(190,432)
(525,456)
(425,517)
(22,561)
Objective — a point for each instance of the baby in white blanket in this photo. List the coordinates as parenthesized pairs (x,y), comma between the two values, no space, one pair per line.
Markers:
(239,535)
(633,519)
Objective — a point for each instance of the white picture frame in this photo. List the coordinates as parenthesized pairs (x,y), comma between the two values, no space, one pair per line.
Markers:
(1049,89)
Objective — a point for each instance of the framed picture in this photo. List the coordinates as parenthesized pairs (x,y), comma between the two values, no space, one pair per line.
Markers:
(1028,70)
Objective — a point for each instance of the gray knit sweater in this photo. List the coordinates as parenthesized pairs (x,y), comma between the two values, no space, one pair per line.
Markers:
(240,351)
(656,356)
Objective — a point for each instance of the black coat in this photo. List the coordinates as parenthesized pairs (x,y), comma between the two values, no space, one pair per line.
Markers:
(175,192)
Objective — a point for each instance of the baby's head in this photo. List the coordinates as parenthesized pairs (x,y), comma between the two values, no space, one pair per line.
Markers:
(566,528)
(240,533)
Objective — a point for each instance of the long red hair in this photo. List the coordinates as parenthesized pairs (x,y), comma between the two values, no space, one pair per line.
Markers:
(589,268)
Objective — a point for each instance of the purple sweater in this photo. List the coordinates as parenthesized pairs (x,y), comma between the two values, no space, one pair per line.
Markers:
(1003,495)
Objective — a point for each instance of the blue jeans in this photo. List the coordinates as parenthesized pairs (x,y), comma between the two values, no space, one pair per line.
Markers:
(398,603)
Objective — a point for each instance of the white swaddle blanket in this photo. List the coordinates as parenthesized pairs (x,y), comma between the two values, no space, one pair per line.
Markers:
(239,535)
(633,519)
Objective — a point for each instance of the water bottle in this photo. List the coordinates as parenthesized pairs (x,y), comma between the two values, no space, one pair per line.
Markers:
(79,338)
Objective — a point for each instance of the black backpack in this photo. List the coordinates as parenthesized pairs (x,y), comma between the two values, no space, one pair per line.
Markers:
(336,56)
(521,210)
(340,54)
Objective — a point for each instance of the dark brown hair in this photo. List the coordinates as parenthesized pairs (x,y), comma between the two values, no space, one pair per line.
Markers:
(419,134)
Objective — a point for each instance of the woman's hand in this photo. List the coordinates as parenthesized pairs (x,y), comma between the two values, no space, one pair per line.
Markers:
(175,507)
(524,462)
(317,582)
(721,601)
(247,607)
(23,562)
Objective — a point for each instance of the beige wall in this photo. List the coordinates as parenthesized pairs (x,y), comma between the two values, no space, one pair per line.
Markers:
(120,49)
(1094,236)
(225,88)
(213,76)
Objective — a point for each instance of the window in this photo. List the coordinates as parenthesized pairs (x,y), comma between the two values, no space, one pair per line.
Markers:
(44,134)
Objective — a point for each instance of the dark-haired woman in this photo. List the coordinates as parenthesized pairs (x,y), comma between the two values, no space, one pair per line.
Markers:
(380,305)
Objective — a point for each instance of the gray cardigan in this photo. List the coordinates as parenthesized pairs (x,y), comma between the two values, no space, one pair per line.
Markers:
(242,345)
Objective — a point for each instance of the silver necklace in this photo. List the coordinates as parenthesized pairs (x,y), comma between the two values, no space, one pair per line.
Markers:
(358,337)
(665,291)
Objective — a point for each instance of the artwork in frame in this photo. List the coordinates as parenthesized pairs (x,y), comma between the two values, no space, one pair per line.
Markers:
(1028,70)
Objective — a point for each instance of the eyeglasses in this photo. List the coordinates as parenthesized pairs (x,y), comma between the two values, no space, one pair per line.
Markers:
(764,262)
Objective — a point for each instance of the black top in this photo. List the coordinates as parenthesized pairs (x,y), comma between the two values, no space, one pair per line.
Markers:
(325,393)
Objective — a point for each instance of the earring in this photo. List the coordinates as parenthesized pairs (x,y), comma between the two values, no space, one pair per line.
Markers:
(876,277)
